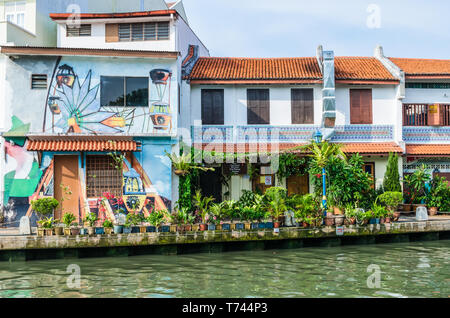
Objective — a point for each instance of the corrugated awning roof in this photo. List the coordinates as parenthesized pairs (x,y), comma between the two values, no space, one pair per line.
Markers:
(64,16)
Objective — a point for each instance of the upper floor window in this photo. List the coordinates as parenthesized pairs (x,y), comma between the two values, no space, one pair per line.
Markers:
(38,81)
(258,107)
(76,31)
(143,31)
(361,106)
(212,107)
(15,12)
(124,91)
(302,106)
(428,85)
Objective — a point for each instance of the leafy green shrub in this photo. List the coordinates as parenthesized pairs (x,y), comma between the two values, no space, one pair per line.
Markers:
(439,194)
(45,206)
(107,224)
(156,218)
(91,218)
(68,219)
(391,199)
(416,182)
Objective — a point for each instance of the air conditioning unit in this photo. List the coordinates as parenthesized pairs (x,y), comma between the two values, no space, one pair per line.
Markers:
(434,115)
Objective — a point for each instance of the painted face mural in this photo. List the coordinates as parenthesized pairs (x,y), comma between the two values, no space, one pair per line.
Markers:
(75,106)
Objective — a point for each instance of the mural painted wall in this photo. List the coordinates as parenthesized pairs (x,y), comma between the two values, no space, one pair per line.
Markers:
(83,100)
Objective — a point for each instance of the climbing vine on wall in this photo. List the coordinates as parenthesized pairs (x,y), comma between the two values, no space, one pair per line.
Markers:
(292,165)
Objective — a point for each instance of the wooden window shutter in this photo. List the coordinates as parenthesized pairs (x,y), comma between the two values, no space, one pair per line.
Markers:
(212,106)
(258,107)
(302,107)
(361,106)
(112,32)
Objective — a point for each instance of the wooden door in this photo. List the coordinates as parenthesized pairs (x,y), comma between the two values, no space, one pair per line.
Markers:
(298,185)
(67,187)
(302,107)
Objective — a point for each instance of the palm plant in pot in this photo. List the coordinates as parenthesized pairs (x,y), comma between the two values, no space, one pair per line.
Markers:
(438,195)
(47,224)
(156,218)
(68,219)
(276,204)
(202,204)
(391,200)
(185,163)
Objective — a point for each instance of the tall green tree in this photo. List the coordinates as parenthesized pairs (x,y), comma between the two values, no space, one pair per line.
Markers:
(391,180)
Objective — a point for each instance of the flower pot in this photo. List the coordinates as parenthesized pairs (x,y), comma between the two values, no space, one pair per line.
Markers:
(180,172)
(203,227)
(226,227)
(248,226)
(337,211)
(126,230)
(305,225)
(254,226)
(48,232)
(108,230)
(173,229)
(118,229)
(188,227)
(432,211)
(211,227)
(181,228)
(374,221)
(196,227)
(142,229)
(59,230)
(232,226)
(407,207)
(261,226)
(67,231)
(91,230)
(239,226)
(329,221)
(339,220)
(219,227)
(135,229)
(387,220)
(40,231)
(151,229)
(75,231)
(269,225)
(382,220)
(276,224)
(165,229)
(83,231)
(396,216)
(99,231)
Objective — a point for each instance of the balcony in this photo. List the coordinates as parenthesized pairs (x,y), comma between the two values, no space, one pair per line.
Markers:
(422,115)
(293,134)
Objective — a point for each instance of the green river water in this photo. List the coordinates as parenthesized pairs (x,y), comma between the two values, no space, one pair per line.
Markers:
(419,269)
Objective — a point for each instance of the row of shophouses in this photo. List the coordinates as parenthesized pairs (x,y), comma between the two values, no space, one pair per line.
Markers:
(131,77)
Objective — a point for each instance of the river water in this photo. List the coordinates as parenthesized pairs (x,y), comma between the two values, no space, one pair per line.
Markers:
(419,269)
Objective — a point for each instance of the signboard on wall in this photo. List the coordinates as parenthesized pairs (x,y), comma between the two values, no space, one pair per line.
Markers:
(235,169)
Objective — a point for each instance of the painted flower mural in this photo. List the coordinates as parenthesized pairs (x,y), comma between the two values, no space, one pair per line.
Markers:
(79,107)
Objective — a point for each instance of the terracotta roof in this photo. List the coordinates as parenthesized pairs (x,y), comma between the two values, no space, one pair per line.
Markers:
(53,51)
(81,145)
(428,149)
(362,70)
(423,68)
(256,70)
(350,148)
(64,16)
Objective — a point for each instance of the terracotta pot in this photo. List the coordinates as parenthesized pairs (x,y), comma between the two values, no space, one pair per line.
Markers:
(407,207)
(219,227)
(387,220)
(188,227)
(75,231)
(59,230)
(48,232)
(337,211)
(382,220)
(276,225)
(305,225)
(352,221)
(432,211)
(196,227)
(396,216)
(203,227)
(329,221)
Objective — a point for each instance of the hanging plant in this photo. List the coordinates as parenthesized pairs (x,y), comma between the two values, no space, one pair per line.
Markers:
(184,164)
(292,165)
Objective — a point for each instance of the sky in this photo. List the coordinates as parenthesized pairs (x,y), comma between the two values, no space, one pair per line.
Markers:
(289,28)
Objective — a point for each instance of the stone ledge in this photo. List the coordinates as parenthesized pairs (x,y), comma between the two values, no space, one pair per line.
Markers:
(161,239)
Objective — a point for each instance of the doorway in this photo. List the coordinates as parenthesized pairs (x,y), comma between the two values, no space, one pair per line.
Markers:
(298,185)
(67,187)
(211,184)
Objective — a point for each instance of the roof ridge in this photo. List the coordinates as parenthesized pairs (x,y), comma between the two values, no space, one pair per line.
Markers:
(255,58)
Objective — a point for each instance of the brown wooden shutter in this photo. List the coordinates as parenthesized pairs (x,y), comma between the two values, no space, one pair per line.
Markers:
(112,32)
(258,107)
(361,106)
(302,107)
(212,107)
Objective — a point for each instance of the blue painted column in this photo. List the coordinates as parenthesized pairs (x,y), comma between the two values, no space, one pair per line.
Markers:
(324,199)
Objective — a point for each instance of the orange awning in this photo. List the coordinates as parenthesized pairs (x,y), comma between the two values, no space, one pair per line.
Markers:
(82,145)
(428,149)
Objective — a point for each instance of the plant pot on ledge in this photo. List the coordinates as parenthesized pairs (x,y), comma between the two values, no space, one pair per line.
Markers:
(432,211)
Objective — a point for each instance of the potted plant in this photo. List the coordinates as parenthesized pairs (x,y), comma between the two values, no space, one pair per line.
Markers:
(156,218)
(59,227)
(202,204)
(47,224)
(75,229)
(416,184)
(108,226)
(68,219)
(438,196)
(391,200)
(89,222)
(118,228)
(276,204)
(350,215)
(184,164)
(40,228)
(44,207)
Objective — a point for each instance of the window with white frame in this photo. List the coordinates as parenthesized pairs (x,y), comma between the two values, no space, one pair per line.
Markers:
(15,12)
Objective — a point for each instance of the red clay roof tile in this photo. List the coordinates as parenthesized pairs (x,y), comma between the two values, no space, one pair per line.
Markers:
(81,145)
(428,149)
(63,16)
(361,69)
(423,68)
